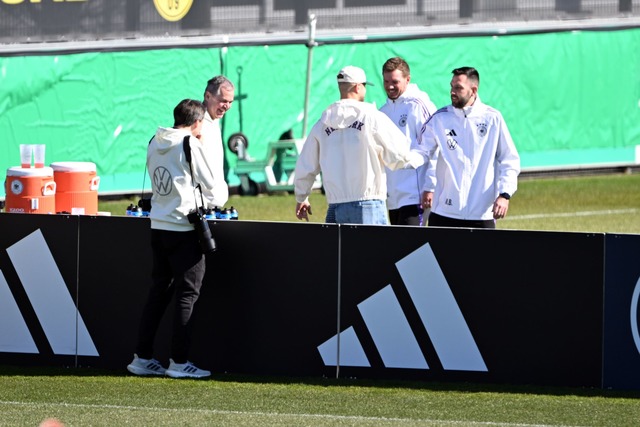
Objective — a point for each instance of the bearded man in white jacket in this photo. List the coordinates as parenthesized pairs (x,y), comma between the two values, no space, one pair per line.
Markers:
(351,145)
(478,165)
(409,108)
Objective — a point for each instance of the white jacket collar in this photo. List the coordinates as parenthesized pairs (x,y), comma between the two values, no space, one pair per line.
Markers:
(471,110)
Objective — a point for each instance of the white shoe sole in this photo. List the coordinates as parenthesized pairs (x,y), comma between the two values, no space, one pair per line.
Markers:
(143,371)
(179,374)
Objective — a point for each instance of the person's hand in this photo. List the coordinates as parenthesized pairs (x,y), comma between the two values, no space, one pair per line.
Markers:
(427,199)
(500,208)
(302,209)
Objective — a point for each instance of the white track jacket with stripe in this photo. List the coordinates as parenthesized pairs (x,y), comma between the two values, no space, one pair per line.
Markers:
(477,161)
(410,112)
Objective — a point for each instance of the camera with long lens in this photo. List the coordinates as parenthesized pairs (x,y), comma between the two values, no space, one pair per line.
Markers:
(205,238)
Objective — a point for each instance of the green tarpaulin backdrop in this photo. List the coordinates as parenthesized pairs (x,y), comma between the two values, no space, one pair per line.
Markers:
(569,98)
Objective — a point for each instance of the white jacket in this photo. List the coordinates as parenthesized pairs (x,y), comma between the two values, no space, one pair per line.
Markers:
(477,161)
(173,193)
(211,138)
(351,144)
(410,112)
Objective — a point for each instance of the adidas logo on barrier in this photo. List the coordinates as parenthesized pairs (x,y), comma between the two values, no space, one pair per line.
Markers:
(50,299)
(390,329)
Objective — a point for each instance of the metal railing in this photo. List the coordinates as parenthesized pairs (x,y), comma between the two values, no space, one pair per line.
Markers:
(91,20)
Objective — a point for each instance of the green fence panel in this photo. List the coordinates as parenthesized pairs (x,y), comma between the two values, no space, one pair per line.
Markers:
(569,98)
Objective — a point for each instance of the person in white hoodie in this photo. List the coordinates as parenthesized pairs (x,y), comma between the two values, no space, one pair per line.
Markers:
(178,260)
(409,108)
(478,165)
(351,144)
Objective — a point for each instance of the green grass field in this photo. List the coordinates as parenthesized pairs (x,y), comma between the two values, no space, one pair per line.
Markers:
(607,203)
(94,398)
(90,397)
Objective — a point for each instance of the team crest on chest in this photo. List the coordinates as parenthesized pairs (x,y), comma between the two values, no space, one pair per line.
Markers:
(403,121)
(482,129)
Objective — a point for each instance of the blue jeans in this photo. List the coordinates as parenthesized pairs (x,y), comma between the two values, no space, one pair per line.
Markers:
(370,212)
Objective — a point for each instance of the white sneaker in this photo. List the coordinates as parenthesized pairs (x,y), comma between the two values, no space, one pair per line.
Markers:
(185,370)
(145,366)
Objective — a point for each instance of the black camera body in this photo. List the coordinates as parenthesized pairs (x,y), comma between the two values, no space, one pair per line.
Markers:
(205,238)
(145,205)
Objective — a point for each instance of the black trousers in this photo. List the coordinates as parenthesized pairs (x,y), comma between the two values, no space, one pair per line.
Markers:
(406,215)
(178,268)
(436,220)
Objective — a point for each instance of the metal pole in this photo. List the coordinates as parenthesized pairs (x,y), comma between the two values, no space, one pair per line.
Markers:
(132,16)
(465,9)
(624,6)
(569,6)
(240,97)
(310,44)
(262,12)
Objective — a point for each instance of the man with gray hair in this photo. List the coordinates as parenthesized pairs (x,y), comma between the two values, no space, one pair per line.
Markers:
(218,97)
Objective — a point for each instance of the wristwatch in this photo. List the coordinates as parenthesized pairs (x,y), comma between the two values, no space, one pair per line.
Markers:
(505,195)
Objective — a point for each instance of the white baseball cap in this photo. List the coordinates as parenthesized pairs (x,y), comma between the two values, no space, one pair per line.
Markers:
(351,74)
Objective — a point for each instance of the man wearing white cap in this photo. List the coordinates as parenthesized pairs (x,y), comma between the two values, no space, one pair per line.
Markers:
(350,145)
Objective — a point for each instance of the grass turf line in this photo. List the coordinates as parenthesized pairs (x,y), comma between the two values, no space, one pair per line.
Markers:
(92,397)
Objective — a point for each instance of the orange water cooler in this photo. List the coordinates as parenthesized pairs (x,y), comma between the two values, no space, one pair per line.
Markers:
(30,190)
(77,187)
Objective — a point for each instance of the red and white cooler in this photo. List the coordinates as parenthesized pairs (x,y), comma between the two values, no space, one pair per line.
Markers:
(77,187)
(30,190)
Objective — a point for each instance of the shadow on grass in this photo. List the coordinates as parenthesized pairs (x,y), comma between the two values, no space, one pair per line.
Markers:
(461,387)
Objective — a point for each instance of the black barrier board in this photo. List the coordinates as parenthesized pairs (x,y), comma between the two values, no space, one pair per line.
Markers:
(38,291)
(268,290)
(323,300)
(621,369)
(114,278)
(271,292)
(479,305)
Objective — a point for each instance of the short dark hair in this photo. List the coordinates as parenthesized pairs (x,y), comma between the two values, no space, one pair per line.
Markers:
(470,72)
(396,63)
(187,112)
(214,85)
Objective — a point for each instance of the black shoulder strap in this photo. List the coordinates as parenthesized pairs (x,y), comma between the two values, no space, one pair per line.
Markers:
(186,147)
(144,176)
